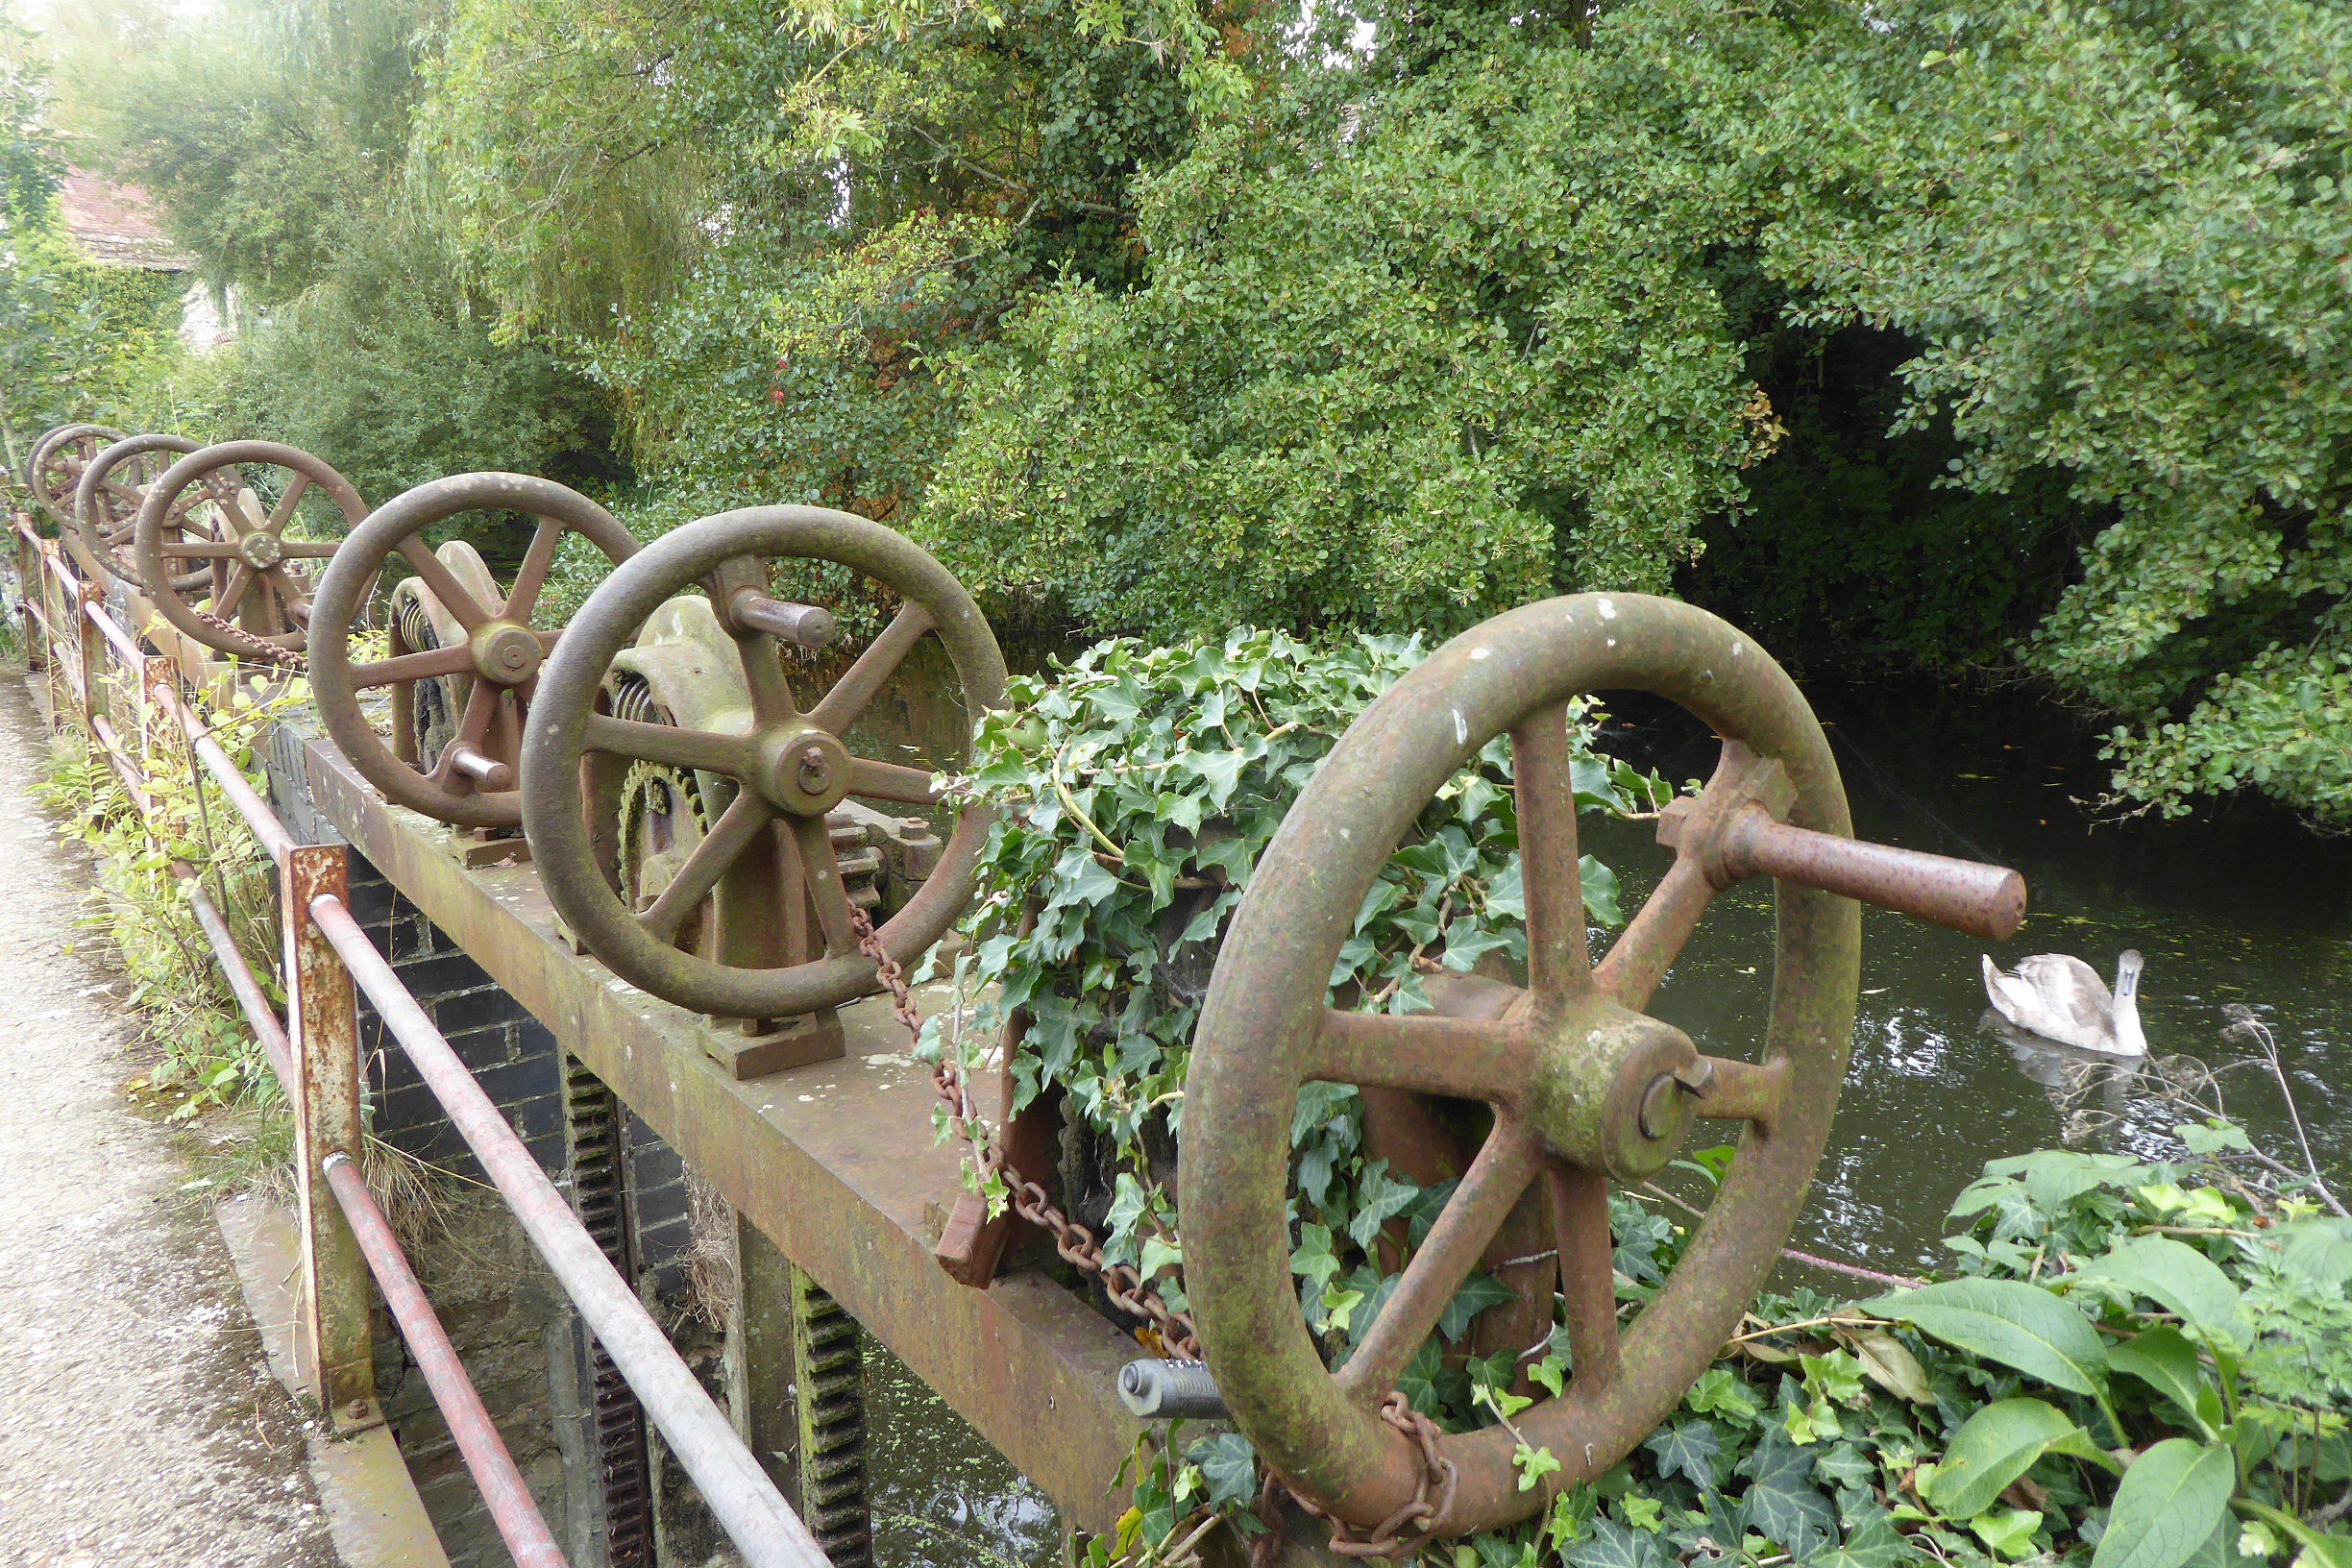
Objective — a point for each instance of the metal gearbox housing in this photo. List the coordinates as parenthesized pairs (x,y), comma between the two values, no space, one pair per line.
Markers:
(1583,1087)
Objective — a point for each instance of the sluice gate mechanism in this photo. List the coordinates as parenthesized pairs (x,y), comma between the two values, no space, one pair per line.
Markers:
(698,843)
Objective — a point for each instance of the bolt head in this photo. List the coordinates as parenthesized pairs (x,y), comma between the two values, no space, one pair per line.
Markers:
(801,770)
(505,653)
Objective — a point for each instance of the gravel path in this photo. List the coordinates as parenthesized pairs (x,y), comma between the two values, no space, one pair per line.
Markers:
(138,1422)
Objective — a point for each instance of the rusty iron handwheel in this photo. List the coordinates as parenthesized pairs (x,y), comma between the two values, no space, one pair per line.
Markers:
(502,655)
(107,504)
(791,767)
(53,468)
(256,564)
(1585,1087)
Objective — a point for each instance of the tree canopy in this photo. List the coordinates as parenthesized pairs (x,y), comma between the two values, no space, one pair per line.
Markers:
(1995,333)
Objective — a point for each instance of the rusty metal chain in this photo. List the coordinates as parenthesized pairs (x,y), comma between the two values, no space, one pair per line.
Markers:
(1076,1244)
(263,649)
(1403,1532)
(1390,1540)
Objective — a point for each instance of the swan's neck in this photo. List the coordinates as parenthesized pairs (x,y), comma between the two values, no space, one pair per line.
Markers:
(2125,1021)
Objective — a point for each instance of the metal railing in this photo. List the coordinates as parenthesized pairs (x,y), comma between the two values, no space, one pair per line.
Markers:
(69,635)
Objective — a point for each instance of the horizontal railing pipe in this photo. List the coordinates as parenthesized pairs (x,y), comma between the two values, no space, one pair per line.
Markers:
(121,641)
(267,830)
(747,1503)
(519,1521)
(258,1014)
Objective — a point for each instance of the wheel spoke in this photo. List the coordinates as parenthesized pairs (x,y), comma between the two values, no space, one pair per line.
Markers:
(1743,1092)
(283,512)
(888,781)
(445,587)
(1472,1217)
(1557,967)
(309,550)
(455,660)
(701,748)
(822,874)
(1466,1059)
(532,575)
(762,668)
(743,821)
(1648,947)
(209,550)
(472,726)
(1589,1279)
(232,593)
(865,677)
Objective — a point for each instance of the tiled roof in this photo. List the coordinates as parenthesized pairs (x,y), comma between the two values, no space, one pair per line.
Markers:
(115,226)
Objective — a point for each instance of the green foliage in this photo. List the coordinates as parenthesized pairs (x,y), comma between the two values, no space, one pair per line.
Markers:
(382,369)
(1138,788)
(208,1056)
(1410,351)
(2114,227)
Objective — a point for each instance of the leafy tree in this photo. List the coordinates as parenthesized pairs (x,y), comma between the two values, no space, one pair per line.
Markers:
(2119,232)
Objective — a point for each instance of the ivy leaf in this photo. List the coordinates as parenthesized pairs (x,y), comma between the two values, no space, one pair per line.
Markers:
(1845,1468)
(1687,1448)
(1872,1542)
(1380,1198)
(1721,1392)
(1611,1545)
(1313,1261)
(1220,770)
(1477,1294)
(2008,1321)
(1600,888)
(1782,1503)
(1228,1468)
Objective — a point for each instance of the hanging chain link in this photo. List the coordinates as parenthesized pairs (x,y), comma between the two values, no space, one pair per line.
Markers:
(1401,1532)
(1126,1288)
(265,651)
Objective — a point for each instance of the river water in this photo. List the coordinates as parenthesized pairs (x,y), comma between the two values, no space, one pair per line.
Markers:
(2240,907)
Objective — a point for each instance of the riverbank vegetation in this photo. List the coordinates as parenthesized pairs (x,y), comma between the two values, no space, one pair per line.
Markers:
(2142,1359)
(1998,337)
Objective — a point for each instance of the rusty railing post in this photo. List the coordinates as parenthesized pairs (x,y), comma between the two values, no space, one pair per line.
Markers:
(90,648)
(30,580)
(333,1349)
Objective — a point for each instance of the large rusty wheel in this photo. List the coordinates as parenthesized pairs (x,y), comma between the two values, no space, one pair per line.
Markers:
(790,765)
(53,468)
(255,597)
(106,507)
(1585,1088)
(471,781)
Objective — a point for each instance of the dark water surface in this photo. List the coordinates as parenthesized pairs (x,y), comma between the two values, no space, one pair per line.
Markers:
(2247,908)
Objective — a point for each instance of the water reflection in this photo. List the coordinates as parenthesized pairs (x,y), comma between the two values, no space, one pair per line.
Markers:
(941,1497)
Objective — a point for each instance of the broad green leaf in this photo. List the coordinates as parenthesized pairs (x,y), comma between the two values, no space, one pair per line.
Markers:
(2318,1250)
(1999,1443)
(2164,1359)
(1892,1367)
(2177,1276)
(1476,1294)
(2008,1533)
(2169,1504)
(2008,1321)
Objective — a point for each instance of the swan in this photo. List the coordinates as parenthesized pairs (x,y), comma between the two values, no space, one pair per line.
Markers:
(2059,997)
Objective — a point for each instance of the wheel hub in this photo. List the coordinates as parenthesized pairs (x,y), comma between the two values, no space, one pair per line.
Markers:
(261,551)
(800,769)
(1609,1086)
(505,653)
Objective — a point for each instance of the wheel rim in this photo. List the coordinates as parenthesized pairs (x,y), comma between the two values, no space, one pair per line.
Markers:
(564,729)
(1560,1063)
(501,697)
(265,573)
(54,471)
(107,504)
